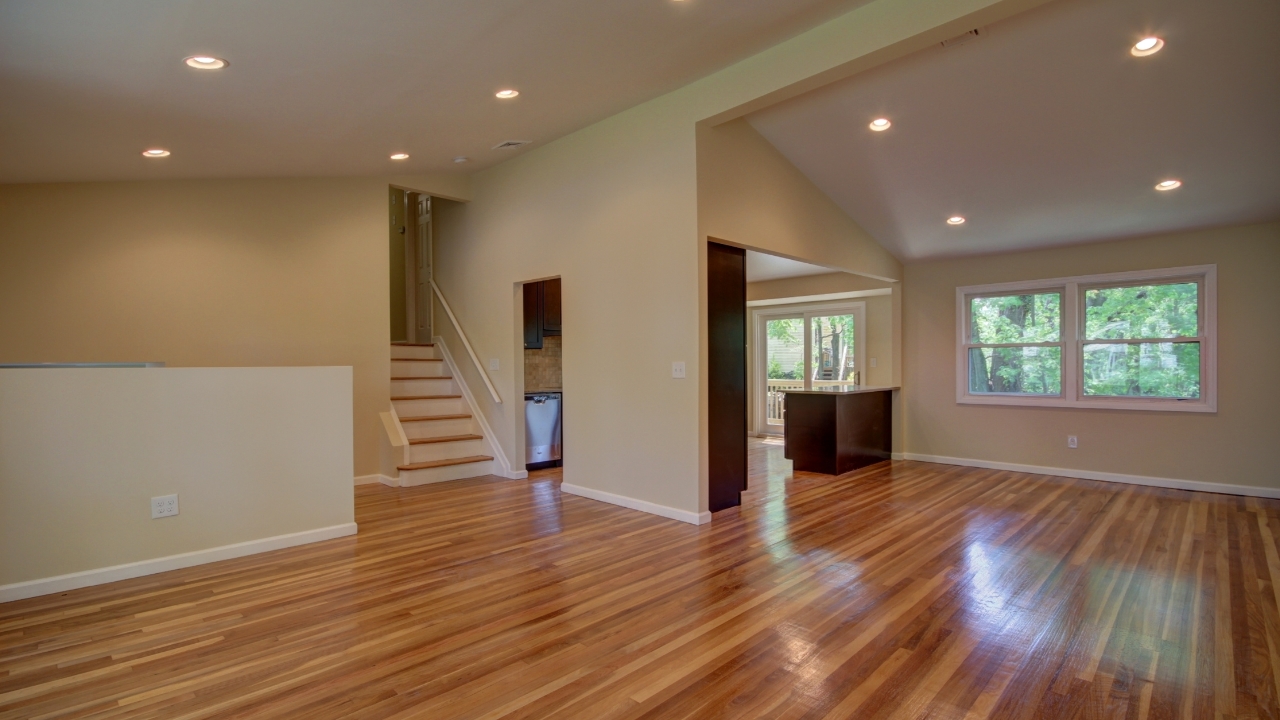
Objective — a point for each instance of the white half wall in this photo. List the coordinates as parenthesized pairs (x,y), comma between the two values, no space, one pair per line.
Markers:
(260,458)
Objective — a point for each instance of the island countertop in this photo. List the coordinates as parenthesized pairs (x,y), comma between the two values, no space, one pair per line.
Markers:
(844,390)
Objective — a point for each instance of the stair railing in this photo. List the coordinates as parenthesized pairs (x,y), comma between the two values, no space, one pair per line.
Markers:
(465,343)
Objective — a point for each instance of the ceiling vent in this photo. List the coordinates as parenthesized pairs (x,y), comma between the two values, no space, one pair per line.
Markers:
(506,144)
(973,34)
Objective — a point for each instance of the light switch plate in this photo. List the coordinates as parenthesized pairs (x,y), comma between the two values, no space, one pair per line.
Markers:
(164,506)
(873,362)
(677,370)
(493,364)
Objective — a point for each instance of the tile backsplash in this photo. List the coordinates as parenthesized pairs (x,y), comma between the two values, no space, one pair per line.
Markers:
(542,367)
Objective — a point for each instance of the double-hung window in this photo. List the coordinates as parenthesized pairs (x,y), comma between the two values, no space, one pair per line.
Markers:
(1134,341)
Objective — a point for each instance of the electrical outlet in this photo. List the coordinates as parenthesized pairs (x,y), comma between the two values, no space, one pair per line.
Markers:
(493,364)
(677,370)
(164,506)
(1072,442)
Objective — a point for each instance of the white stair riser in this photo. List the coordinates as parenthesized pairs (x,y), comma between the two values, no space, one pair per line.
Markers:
(440,428)
(445,450)
(418,369)
(442,386)
(411,351)
(414,408)
(409,478)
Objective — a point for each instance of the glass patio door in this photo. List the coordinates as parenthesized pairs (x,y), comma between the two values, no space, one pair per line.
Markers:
(805,351)
(785,367)
(831,351)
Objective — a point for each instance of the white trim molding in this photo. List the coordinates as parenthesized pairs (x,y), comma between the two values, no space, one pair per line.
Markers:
(850,295)
(1170,483)
(504,465)
(99,576)
(371,479)
(630,503)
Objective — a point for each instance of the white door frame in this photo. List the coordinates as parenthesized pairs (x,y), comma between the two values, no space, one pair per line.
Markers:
(759,355)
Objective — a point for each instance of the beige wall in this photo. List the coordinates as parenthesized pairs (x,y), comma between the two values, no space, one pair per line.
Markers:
(204,273)
(615,211)
(806,285)
(750,195)
(1238,445)
(253,454)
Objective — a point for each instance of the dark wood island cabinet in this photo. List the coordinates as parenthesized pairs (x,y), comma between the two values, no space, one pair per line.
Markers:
(837,431)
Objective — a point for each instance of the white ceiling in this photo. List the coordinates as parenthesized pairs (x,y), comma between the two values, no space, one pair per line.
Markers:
(332,87)
(1047,131)
(761,266)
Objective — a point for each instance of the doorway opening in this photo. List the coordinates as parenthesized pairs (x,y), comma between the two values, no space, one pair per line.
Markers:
(409,248)
(543,374)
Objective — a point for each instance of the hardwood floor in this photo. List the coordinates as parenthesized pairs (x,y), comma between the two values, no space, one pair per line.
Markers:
(902,590)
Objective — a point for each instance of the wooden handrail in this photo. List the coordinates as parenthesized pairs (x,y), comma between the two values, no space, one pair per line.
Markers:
(465,343)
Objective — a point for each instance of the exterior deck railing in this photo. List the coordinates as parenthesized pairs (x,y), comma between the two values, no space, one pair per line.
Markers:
(776,390)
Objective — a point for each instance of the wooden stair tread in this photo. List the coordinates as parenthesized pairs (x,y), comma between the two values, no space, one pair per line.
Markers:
(427,397)
(417,359)
(444,439)
(424,377)
(409,344)
(425,418)
(446,463)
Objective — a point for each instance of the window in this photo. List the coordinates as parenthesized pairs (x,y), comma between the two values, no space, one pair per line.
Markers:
(1142,340)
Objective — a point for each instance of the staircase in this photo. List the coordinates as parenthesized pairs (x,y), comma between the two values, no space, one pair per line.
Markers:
(445,441)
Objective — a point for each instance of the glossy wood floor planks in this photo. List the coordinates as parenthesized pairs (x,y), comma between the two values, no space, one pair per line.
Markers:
(903,590)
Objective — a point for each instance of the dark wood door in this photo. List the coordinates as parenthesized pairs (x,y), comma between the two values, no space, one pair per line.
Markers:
(533,316)
(727,374)
(551,307)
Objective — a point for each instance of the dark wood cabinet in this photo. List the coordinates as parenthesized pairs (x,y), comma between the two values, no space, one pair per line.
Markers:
(541,312)
(551,307)
(533,316)
(837,432)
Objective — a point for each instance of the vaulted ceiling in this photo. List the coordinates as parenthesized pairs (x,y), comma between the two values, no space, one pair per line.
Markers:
(332,87)
(1045,130)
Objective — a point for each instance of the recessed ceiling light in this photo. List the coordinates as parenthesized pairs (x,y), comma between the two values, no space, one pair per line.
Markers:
(155,152)
(461,159)
(400,156)
(955,220)
(1165,185)
(205,62)
(1147,46)
(507,94)
(880,124)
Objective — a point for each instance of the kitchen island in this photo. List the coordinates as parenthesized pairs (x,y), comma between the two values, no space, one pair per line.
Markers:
(838,430)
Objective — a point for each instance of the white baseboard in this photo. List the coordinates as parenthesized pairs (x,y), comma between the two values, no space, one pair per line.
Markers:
(897,456)
(1171,483)
(370,479)
(692,518)
(86,578)
(517,474)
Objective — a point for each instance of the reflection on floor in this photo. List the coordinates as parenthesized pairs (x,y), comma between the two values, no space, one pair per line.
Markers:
(903,590)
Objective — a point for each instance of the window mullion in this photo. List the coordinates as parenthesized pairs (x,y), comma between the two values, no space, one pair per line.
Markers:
(1073,361)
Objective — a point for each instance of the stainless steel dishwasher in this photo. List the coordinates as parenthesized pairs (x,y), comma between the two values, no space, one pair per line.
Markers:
(542,430)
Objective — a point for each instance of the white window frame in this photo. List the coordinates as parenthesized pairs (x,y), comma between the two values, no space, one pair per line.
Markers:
(804,311)
(1073,340)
